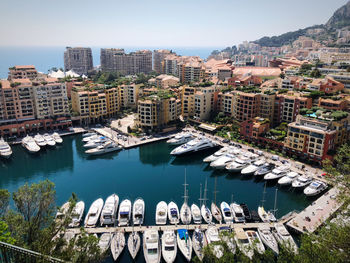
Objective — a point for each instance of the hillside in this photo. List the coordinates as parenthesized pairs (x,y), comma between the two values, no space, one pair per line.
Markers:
(340,18)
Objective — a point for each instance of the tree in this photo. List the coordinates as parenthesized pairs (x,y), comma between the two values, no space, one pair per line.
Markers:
(5,235)
(4,201)
(315,73)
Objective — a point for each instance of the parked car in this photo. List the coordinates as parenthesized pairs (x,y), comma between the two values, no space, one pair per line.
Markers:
(275,158)
(238,146)
(251,150)
(225,140)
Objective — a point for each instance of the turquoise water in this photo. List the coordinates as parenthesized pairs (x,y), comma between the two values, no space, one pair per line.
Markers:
(148,172)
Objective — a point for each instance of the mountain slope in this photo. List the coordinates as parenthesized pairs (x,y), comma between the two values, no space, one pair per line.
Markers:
(340,18)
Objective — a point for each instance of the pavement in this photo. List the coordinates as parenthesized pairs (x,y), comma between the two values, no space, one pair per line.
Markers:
(124,123)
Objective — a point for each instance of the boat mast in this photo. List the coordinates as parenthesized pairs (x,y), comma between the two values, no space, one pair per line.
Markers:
(216,178)
(275,204)
(263,197)
(205,193)
(200,196)
(231,198)
(185,190)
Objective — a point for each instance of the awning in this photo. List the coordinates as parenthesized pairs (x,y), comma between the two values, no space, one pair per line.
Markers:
(207,127)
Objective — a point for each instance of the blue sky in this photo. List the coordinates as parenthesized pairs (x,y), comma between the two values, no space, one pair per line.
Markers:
(154,22)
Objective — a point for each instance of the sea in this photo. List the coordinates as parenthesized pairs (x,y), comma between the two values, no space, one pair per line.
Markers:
(45,58)
(148,171)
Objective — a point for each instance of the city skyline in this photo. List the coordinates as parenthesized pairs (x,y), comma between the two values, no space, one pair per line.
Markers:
(155,23)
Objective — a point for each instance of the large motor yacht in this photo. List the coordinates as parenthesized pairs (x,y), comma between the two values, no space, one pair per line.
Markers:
(252,168)
(93,213)
(109,211)
(5,149)
(95,142)
(151,246)
(193,146)
(180,139)
(277,173)
(216,155)
(302,181)
(169,246)
(49,140)
(39,139)
(138,211)
(315,188)
(238,164)
(106,147)
(288,178)
(222,161)
(29,143)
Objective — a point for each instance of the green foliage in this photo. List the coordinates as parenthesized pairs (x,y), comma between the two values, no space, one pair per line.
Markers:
(5,235)
(4,201)
(316,94)
(249,89)
(315,73)
(282,91)
(339,115)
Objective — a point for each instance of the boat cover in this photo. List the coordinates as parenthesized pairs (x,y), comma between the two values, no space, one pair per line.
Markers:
(183,234)
(173,211)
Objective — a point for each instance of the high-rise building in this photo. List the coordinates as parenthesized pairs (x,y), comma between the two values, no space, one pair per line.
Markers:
(78,59)
(22,72)
(158,57)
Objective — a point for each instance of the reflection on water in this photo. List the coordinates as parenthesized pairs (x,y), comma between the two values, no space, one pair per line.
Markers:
(153,154)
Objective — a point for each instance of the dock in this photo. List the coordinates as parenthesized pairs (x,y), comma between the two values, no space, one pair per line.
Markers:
(317,213)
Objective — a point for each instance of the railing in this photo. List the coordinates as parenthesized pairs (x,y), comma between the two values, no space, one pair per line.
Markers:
(13,254)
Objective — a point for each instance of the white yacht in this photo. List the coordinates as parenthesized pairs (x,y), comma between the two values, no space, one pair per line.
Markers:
(29,143)
(243,243)
(161,213)
(238,164)
(169,246)
(212,235)
(151,246)
(196,214)
(124,213)
(77,214)
(265,216)
(283,237)
(105,241)
(173,213)
(277,173)
(288,178)
(255,241)
(195,145)
(185,214)
(62,212)
(106,147)
(215,211)
(267,238)
(138,211)
(265,169)
(206,214)
(93,213)
(199,241)
(89,134)
(91,137)
(5,149)
(184,243)
(238,214)
(226,212)
(315,188)
(57,138)
(109,211)
(252,168)
(222,161)
(134,243)
(40,141)
(180,139)
(216,155)
(96,142)
(49,140)
(117,244)
(302,181)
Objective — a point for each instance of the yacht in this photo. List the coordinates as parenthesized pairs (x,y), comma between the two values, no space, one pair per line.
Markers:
(117,244)
(222,161)
(109,211)
(91,137)
(195,145)
(185,214)
(252,168)
(180,139)
(105,242)
(77,214)
(199,241)
(151,246)
(215,211)
(49,140)
(29,143)
(243,243)
(161,213)
(302,181)
(226,212)
(315,188)
(238,164)
(196,214)
(89,134)
(238,214)
(138,211)
(267,238)
(95,142)
(206,214)
(283,237)
(277,173)
(124,213)
(255,241)
(212,235)
(57,138)
(288,178)
(5,149)
(169,246)
(62,212)
(216,155)
(265,169)
(184,243)
(134,243)
(265,216)
(227,237)
(246,212)
(40,141)
(93,213)
(173,213)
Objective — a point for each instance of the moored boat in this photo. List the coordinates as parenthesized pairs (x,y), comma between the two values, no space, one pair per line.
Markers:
(134,243)
(283,237)
(29,143)
(267,238)
(246,212)
(109,211)
(151,246)
(77,214)
(169,246)
(184,243)
(5,149)
(49,140)
(57,138)
(124,213)
(93,213)
(212,235)
(105,241)
(277,173)
(227,237)
(40,140)
(255,241)
(138,211)
(206,214)
(288,178)
(237,212)
(62,212)
(243,242)
(252,168)
(302,182)
(226,212)
(161,213)
(216,155)
(195,145)
(117,244)
(173,213)
(180,139)
(199,241)
(196,214)
(265,169)
(316,187)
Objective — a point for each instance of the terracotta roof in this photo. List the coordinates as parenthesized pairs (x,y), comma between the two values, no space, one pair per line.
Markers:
(257,71)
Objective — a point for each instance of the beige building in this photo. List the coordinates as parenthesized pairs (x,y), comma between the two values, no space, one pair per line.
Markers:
(22,72)
(78,59)
(165,81)
(158,57)
(128,95)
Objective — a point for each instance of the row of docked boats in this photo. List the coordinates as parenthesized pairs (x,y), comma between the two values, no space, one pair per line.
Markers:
(97,145)
(166,244)
(247,163)
(34,144)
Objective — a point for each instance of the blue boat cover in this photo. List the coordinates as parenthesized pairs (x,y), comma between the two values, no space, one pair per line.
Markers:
(183,234)
(124,213)
(224,228)
(173,211)
(226,209)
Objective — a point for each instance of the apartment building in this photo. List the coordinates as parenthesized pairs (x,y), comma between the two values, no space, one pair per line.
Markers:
(97,105)
(128,96)
(169,64)
(253,128)
(225,103)
(164,81)
(156,112)
(247,80)
(112,101)
(327,85)
(245,105)
(158,57)
(80,105)
(267,107)
(188,100)
(78,59)
(205,101)
(189,71)
(108,62)
(330,104)
(22,72)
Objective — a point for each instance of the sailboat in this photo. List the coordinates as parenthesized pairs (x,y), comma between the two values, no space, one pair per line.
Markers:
(214,208)
(266,216)
(185,211)
(199,241)
(117,244)
(134,242)
(206,214)
(195,210)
